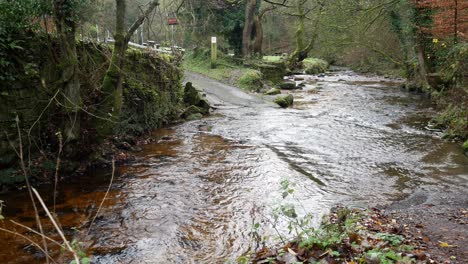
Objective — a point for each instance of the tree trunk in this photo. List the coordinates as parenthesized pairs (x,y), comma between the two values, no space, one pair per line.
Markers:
(68,61)
(248,27)
(421,54)
(300,53)
(258,44)
(112,83)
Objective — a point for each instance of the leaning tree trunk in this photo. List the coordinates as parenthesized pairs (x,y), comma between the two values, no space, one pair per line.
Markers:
(68,61)
(298,54)
(302,51)
(112,83)
(248,28)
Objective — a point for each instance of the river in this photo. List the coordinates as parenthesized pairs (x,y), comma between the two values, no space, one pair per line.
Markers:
(194,194)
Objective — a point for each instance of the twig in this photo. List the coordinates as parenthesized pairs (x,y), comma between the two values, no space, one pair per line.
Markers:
(57,167)
(37,233)
(65,241)
(104,198)
(28,184)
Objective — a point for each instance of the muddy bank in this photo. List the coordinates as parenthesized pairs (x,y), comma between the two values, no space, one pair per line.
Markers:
(438,222)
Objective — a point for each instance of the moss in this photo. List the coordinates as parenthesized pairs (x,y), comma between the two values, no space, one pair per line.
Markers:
(152,93)
(194,117)
(284,101)
(465,147)
(272,58)
(191,110)
(251,80)
(273,91)
(455,119)
(273,72)
(315,66)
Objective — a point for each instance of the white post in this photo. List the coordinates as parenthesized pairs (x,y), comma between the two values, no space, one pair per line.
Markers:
(214,50)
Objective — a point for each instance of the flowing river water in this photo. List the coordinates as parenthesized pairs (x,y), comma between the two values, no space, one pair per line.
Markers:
(195,193)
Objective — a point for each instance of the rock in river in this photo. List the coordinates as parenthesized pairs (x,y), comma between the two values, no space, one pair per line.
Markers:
(284,101)
(288,85)
(273,91)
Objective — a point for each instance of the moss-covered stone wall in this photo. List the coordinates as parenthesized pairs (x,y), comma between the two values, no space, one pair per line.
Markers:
(152,95)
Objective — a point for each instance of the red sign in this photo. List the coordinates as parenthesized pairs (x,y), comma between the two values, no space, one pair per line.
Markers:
(172,21)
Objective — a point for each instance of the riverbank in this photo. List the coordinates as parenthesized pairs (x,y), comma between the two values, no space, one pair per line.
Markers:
(419,229)
(32,109)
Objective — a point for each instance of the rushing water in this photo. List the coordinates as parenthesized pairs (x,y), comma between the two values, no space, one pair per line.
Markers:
(194,195)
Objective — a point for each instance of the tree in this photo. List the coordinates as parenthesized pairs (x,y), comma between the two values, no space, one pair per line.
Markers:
(250,7)
(252,36)
(302,50)
(65,17)
(112,83)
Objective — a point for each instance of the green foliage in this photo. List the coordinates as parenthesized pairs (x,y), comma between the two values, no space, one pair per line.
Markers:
(454,66)
(344,234)
(465,146)
(384,257)
(455,118)
(15,20)
(77,247)
(232,27)
(395,240)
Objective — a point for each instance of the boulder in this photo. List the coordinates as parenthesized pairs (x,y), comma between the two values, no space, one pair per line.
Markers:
(204,106)
(191,95)
(191,110)
(315,66)
(284,101)
(272,71)
(251,80)
(288,85)
(196,102)
(273,91)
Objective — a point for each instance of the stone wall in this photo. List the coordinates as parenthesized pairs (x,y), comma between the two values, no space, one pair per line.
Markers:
(152,95)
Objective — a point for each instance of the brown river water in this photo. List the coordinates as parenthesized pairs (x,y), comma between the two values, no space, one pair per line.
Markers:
(194,195)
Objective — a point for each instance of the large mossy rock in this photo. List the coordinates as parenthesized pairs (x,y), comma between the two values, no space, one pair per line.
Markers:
(284,101)
(315,66)
(191,95)
(272,71)
(196,104)
(251,80)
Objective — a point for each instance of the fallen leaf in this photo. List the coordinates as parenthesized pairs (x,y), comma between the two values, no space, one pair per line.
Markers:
(445,245)
(292,252)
